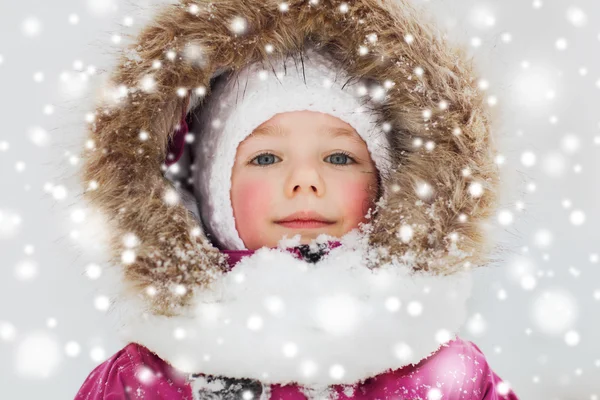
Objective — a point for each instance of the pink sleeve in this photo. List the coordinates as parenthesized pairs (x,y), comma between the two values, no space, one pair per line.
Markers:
(105,382)
(491,386)
(135,373)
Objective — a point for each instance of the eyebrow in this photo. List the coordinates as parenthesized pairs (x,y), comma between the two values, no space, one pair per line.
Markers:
(269,130)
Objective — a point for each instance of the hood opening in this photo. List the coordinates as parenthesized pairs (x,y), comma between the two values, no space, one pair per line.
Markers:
(180,172)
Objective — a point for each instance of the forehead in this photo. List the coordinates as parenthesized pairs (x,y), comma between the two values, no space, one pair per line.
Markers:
(300,122)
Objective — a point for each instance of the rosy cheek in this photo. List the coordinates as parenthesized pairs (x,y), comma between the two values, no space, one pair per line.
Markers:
(251,200)
(354,201)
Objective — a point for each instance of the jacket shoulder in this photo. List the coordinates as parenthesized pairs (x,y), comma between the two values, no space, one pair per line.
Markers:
(487,385)
(134,372)
(458,370)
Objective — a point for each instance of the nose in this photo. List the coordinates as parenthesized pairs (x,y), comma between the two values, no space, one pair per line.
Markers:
(305,179)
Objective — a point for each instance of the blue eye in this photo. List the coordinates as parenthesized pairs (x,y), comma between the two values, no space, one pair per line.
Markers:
(340,158)
(264,159)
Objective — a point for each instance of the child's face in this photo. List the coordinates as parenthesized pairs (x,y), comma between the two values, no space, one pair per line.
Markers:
(301,161)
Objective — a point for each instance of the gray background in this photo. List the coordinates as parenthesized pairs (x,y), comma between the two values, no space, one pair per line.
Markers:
(534,314)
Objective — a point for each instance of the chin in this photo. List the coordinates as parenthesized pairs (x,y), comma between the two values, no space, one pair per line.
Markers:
(306,234)
(307,239)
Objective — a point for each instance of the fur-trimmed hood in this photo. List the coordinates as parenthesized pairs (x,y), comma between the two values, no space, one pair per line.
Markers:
(178,297)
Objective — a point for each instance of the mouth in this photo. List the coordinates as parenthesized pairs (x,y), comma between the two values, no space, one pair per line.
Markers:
(304,224)
(305,220)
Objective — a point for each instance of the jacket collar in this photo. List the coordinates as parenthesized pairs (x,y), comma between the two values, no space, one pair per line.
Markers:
(303,251)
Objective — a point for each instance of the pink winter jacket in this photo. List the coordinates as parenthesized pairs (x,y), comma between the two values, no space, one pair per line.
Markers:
(457,371)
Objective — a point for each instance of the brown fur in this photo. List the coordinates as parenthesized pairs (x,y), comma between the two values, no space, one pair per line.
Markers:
(132,185)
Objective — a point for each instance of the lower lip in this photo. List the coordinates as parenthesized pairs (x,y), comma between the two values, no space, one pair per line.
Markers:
(304,224)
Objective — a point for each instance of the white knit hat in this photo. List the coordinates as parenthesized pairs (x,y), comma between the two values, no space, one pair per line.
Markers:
(236,107)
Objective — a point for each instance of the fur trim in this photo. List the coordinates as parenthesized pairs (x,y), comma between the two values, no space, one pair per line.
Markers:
(428,221)
(277,319)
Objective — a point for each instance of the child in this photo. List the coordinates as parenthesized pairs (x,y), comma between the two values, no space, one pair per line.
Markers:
(311,261)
